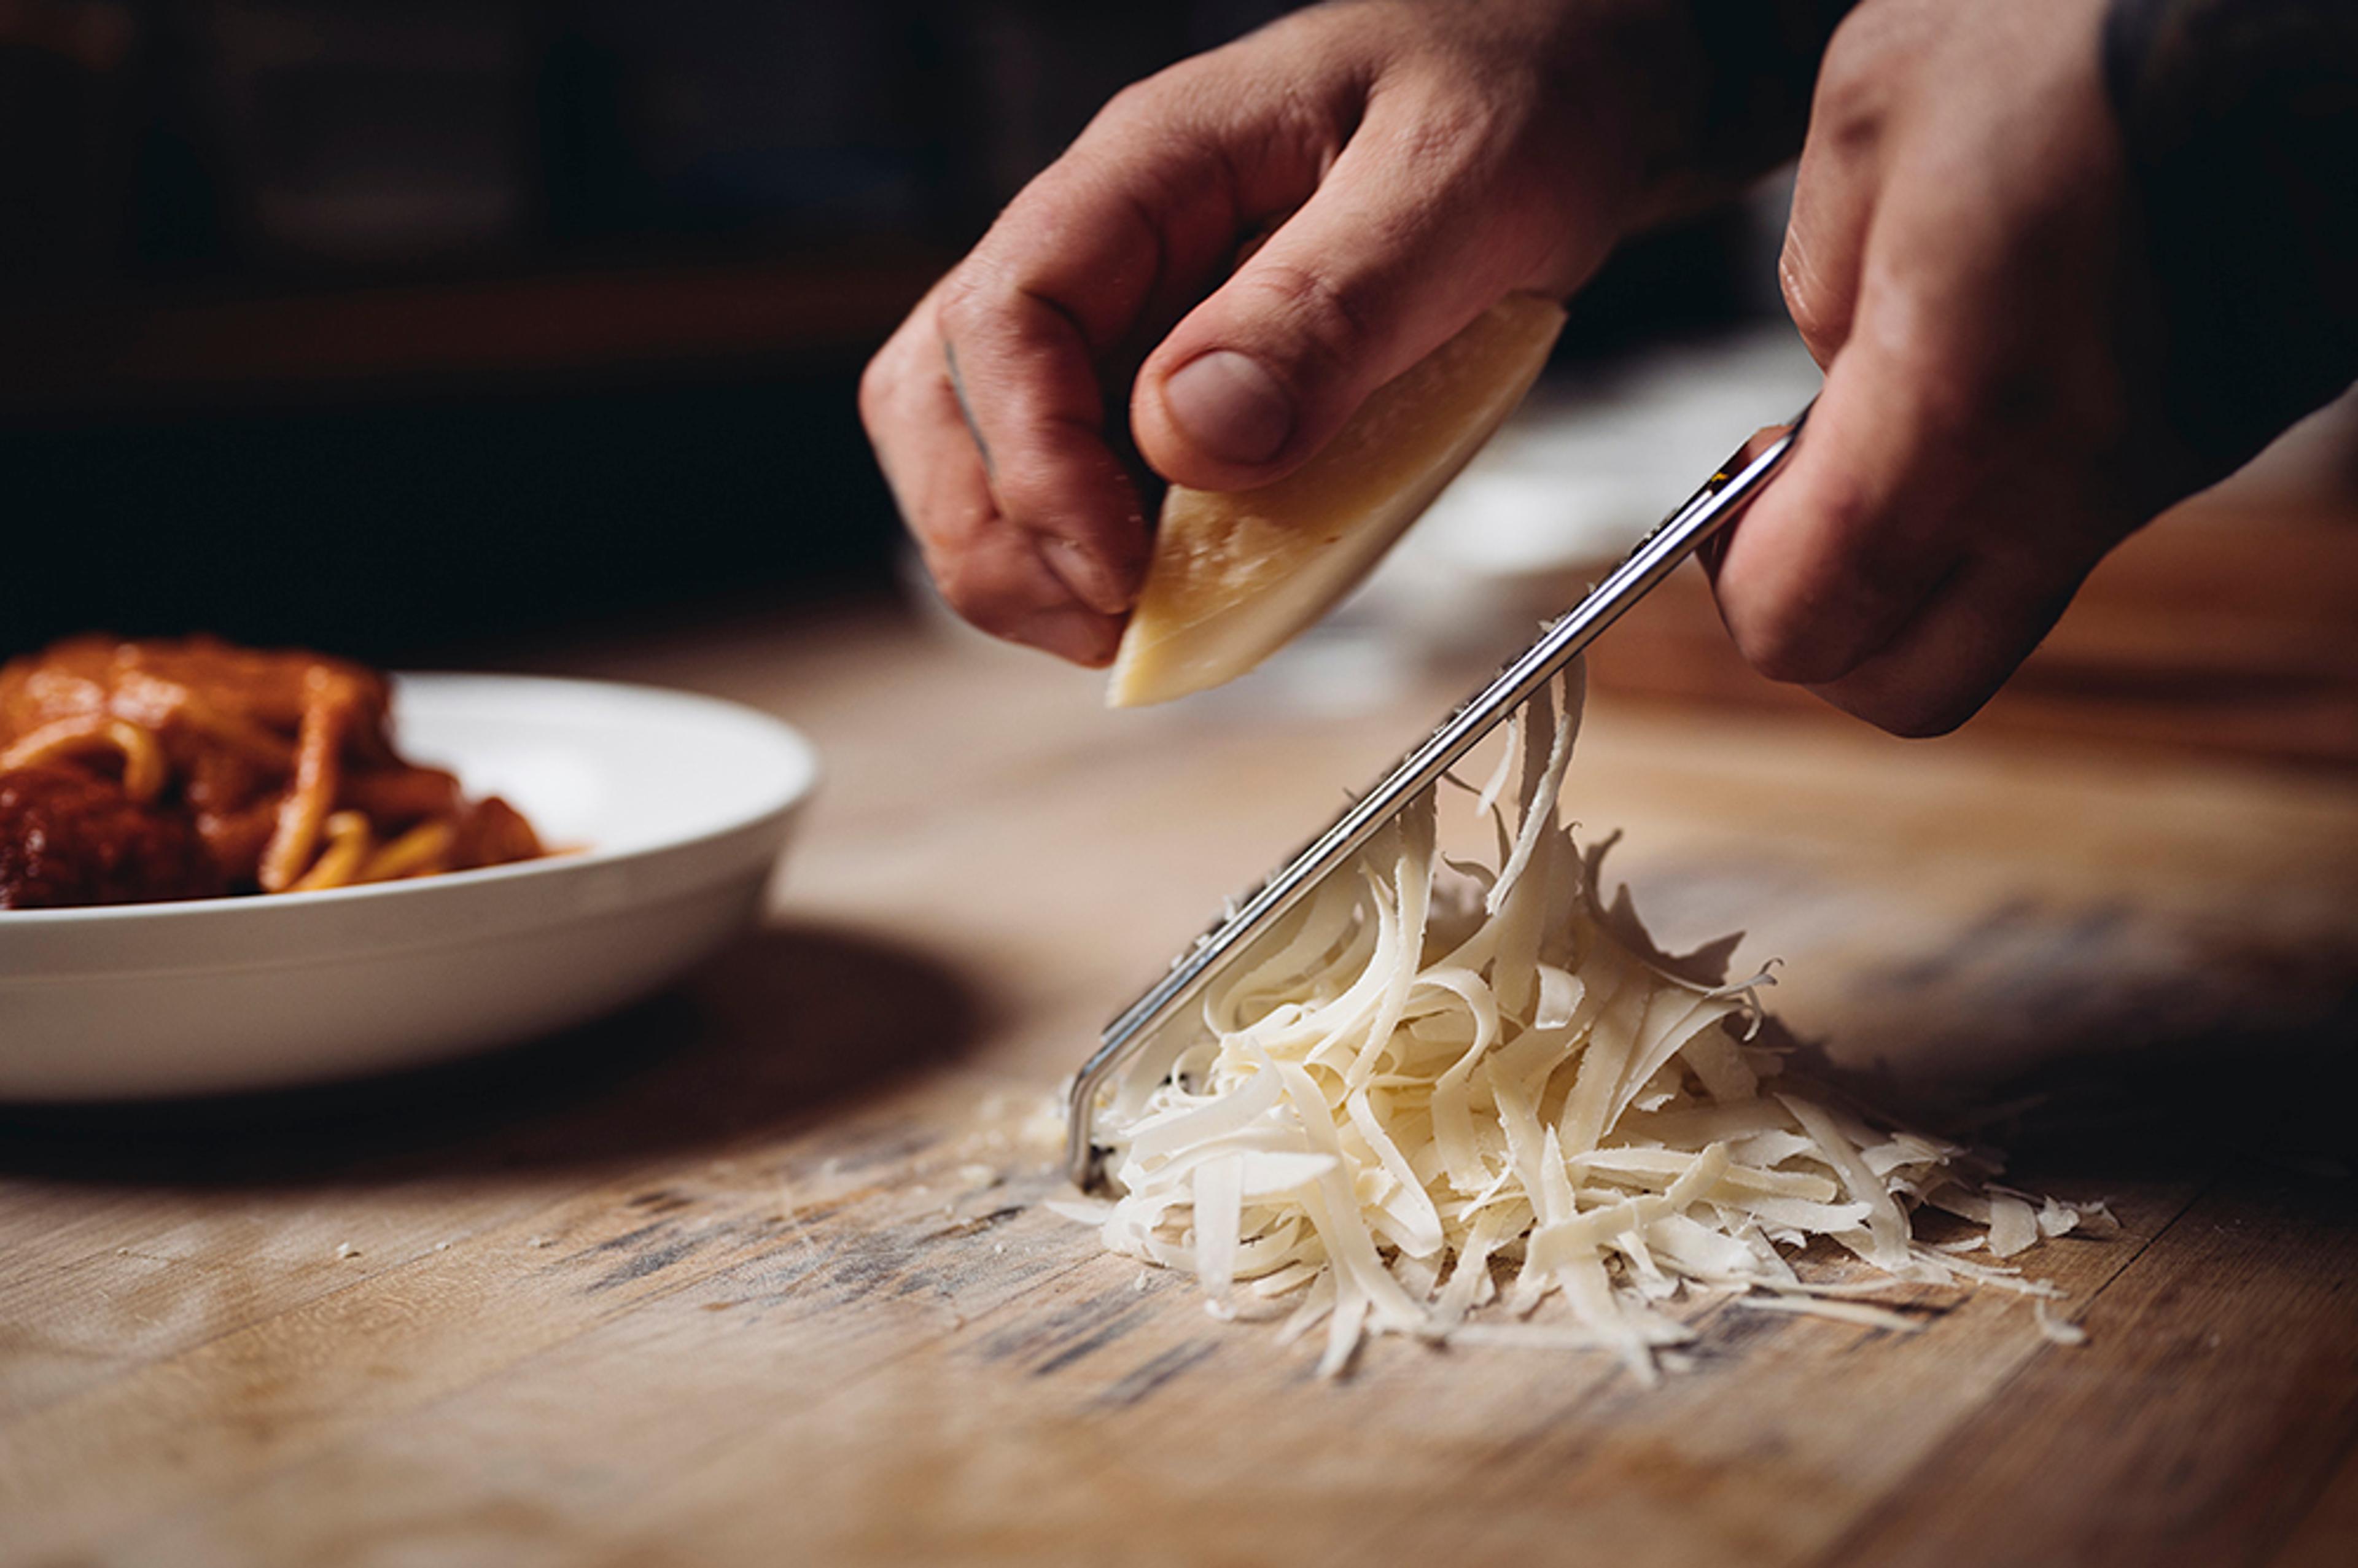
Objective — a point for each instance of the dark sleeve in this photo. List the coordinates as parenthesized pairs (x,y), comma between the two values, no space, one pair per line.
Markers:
(1761,60)
(1727,84)
(2240,119)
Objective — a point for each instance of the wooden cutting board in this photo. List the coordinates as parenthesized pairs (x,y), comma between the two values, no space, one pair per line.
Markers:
(757,1272)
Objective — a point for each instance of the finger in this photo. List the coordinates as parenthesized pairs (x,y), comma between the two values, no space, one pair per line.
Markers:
(1142,212)
(1844,164)
(1974,635)
(990,573)
(1825,237)
(899,410)
(1713,549)
(997,579)
(1872,514)
(1419,228)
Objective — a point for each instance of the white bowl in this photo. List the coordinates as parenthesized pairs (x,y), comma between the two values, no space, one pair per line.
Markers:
(681,805)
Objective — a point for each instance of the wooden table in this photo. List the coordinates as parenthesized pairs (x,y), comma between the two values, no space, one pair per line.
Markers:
(757,1273)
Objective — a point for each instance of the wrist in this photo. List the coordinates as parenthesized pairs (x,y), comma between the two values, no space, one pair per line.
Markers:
(2240,127)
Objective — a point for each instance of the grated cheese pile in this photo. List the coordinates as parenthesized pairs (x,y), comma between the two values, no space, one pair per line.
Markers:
(1438,1097)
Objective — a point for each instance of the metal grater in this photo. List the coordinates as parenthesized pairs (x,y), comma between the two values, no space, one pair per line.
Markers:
(1704,514)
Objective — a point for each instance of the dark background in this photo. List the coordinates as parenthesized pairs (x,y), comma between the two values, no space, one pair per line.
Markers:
(398,327)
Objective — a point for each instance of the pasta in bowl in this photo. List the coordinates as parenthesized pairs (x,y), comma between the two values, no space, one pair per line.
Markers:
(154,770)
(670,809)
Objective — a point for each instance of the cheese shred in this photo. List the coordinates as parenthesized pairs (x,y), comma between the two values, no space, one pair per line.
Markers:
(1439,1098)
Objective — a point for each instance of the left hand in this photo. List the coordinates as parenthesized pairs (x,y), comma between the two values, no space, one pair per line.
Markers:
(1963,262)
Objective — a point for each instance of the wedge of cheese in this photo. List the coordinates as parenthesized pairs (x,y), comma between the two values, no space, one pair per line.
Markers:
(1237,575)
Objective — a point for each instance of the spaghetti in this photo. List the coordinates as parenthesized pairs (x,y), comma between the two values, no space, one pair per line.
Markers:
(278,766)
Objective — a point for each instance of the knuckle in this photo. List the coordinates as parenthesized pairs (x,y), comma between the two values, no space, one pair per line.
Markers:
(965,301)
(1451,131)
(1148,103)
(1327,325)
(946,513)
(1847,122)
(1857,65)
(1852,100)
(976,602)
(878,381)
(1796,648)
(989,573)
(1027,488)
(1133,102)
(1187,101)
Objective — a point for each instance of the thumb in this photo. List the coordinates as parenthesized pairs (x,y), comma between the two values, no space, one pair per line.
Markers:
(1401,247)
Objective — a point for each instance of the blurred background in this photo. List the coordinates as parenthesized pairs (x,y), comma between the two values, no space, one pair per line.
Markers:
(413,327)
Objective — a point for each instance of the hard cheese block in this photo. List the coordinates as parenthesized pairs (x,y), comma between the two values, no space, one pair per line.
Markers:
(1237,575)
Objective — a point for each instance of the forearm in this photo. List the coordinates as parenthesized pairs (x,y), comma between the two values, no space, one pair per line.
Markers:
(2240,121)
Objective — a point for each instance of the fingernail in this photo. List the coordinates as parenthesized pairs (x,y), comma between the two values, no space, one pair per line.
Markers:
(1068,632)
(1227,403)
(1091,579)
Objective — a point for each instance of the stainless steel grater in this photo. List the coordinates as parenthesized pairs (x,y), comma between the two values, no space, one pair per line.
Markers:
(1704,514)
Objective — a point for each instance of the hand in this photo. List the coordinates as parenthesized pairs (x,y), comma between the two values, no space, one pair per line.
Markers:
(1960,259)
(1410,164)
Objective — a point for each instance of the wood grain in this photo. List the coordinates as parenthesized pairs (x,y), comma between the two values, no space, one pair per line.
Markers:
(757,1273)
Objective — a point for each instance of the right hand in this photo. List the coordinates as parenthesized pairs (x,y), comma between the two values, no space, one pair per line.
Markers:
(1409,163)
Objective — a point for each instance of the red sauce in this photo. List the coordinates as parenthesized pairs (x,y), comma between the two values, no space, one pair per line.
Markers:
(69,837)
(127,755)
